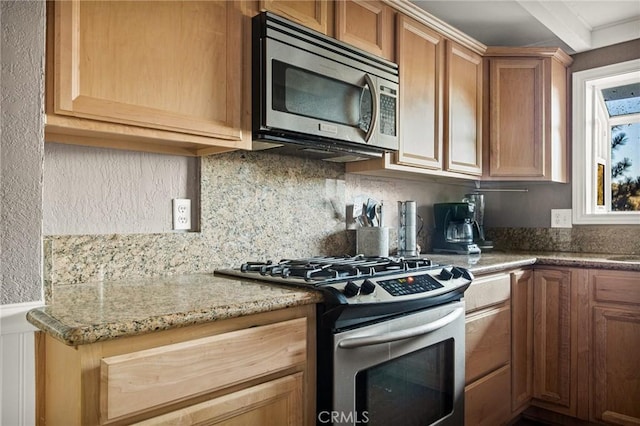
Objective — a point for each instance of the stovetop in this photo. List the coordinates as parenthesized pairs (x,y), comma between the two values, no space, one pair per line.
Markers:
(360,280)
(322,270)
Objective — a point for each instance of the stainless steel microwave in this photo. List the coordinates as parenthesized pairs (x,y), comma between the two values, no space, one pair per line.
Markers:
(317,96)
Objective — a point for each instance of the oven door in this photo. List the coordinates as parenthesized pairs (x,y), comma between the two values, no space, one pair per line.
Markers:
(408,370)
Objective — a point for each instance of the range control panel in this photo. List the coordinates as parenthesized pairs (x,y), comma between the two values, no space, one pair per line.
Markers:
(404,285)
(410,285)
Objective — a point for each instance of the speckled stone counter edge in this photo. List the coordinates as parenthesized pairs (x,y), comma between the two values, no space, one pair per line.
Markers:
(76,320)
(91,333)
(497,262)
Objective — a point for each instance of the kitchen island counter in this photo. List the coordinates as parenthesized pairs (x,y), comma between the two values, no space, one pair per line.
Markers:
(486,263)
(87,313)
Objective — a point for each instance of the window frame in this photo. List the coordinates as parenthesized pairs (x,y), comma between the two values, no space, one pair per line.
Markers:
(586,86)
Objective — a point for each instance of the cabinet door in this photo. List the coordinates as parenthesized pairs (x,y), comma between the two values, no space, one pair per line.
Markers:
(312,14)
(616,369)
(615,384)
(554,340)
(367,25)
(134,63)
(516,141)
(521,339)
(463,111)
(420,52)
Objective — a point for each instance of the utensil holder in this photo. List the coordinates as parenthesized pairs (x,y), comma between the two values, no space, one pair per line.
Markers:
(372,241)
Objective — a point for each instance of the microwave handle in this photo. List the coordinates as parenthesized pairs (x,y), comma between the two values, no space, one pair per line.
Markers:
(356,342)
(374,113)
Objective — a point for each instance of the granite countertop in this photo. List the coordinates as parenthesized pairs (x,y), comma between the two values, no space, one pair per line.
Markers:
(88,313)
(497,261)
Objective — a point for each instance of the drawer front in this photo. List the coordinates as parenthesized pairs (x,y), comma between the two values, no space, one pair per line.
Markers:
(487,291)
(279,400)
(134,382)
(616,286)
(487,342)
(488,400)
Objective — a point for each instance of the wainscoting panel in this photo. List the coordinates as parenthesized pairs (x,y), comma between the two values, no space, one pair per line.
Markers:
(17,371)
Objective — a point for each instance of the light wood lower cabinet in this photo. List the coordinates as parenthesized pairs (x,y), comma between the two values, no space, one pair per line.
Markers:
(615,347)
(277,400)
(555,339)
(521,339)
(257,370)
(564,341)
(487,400)
(488,351)
(586,344)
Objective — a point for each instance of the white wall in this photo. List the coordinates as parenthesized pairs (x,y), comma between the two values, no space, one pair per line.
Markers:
(21,151)
(105,191)
(21,124)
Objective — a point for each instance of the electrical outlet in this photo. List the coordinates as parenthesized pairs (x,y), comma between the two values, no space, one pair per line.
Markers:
(561,218)
(181,214)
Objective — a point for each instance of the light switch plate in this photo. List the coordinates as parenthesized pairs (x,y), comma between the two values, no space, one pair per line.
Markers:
(561,218)
(181,214)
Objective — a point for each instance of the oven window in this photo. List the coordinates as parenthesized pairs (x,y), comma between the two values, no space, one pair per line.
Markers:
(415,389)
(308,94)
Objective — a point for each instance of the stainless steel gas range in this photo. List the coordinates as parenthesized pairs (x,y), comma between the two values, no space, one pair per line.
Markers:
(390,336)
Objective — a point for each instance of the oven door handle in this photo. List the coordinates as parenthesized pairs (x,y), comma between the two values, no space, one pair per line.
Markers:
(356,342)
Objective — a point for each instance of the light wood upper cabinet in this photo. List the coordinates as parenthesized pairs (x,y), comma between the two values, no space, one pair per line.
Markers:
(367,25)
(314,14)
(440,108)
(463,110)
(157,76)
(420,54)
(527,115)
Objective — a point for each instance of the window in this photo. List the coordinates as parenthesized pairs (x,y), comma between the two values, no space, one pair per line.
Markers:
(606,144)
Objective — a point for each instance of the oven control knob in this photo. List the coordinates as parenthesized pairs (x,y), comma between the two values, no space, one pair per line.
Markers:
(457,272)
(368,287)
(445,275)
(351,289)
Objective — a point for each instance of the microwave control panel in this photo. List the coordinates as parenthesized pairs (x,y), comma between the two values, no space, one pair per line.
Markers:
(388,108)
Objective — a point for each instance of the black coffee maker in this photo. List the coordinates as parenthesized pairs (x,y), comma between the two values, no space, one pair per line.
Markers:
(454,228)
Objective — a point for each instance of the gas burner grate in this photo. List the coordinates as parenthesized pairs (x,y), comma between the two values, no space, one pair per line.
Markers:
(323,269)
